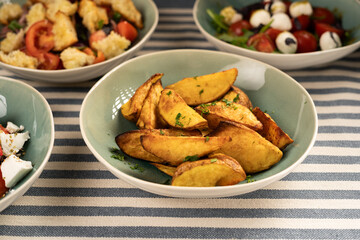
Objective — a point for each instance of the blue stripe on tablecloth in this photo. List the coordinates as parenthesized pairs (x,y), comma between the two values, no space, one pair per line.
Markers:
(320,159)
(338,103)
(318,78)
(70,114)
(182,212)
(55,157)
(338,129)
(67,127)
(137,193)
(179,232)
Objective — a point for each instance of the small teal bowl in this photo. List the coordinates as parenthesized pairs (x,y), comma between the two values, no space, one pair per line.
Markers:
(27,107)
(269,88)
(349,9)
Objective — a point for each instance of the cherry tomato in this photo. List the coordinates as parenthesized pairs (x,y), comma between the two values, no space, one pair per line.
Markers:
(320,28)
(306,41)
(3,188)
(49,61)
(287,4)
(262,42)
(237,27)
(99,57)
(39,38)
(273,33)
(127,30)
(96,36)
(301,22)
(323,15)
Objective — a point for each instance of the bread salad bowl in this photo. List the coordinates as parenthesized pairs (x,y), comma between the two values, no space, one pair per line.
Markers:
(287,34)
(67,41)
(195,123)
(25,147)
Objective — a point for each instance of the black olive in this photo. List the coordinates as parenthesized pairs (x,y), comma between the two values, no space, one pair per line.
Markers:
(289,41)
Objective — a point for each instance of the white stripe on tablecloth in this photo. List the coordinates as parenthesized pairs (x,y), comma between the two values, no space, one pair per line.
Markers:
(182,222)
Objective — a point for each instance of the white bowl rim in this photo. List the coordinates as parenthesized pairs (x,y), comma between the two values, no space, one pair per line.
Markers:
(275,55)
(9,198)
(84,68)
(191,190)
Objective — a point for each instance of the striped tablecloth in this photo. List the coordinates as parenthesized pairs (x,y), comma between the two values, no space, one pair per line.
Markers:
(77,198)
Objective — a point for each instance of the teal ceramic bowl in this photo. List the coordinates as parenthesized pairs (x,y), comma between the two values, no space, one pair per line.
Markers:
(150,17)
(349,9)
(26,106)
(269,88)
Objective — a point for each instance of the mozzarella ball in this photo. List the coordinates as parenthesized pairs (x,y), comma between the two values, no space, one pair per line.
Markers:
(237,17)
(286,42)
(281,21)
(329,40)
(228,13)
(260,16)
(300,8)
(276,7)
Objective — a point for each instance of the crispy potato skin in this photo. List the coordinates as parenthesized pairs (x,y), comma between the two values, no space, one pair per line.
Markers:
(174,110)
(149,117)
(219,170)
(250,149)
(174,150)
(131,109)
(169,170)
(238,96)
(228,111)
(129,142)
(206,88)
(271,131)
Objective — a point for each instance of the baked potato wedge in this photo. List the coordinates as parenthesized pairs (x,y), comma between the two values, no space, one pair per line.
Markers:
(174,150)
(249,148)
(217,170)
(149,117)
(271,131)
(176,113)
(238,96)
(206,88)
(129,142)
(226,110)
(132,108)
(169,170)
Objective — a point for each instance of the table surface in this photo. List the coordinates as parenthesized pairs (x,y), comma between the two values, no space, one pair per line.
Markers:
(77,198)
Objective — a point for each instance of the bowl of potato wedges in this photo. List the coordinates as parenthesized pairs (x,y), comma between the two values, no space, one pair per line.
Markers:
(198,123)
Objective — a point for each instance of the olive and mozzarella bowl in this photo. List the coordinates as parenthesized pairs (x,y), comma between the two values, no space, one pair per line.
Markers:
(285,34)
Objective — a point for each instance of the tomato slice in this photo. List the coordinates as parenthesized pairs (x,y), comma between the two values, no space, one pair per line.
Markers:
(273,33)
(39,38)
(96,36)
(99,57)
(127,30)
(323,15)
(320,28)
(237,27)
(49,61)
(301,22)
(306,41)
(262,42)
(3,188)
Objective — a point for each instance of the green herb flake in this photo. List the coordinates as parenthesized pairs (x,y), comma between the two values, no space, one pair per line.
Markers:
(201,91)
(14,26)
(168,93)
(177,120)
(198,85)
(191,158)
(100,24)
(195,77)
(161,132)
(116,17)
(213,160)
(116,154)
(227,102)
(249,179)
(236,98)
(207,138)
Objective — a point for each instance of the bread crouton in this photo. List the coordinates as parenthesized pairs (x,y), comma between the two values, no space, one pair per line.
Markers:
(74,58)
(36,13)
(64,6)
(64,32)
(92,15)
(19,59)
(10,11)
(12,41)
(112,45)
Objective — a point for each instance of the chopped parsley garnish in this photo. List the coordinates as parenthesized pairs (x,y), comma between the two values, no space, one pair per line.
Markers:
(207,138)
(217,21)
(161,132)
(213,160)
(168,93)
(198,85)
(14,26)
(100,24)
(201,91)
(116,154)
(117,17)
(191,158)
(195,77)
(236,98)
(227,102)
(250,179)
(177,120)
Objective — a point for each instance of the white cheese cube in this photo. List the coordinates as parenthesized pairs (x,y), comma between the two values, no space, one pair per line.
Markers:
(12,128)
(12,143)
(13,169)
